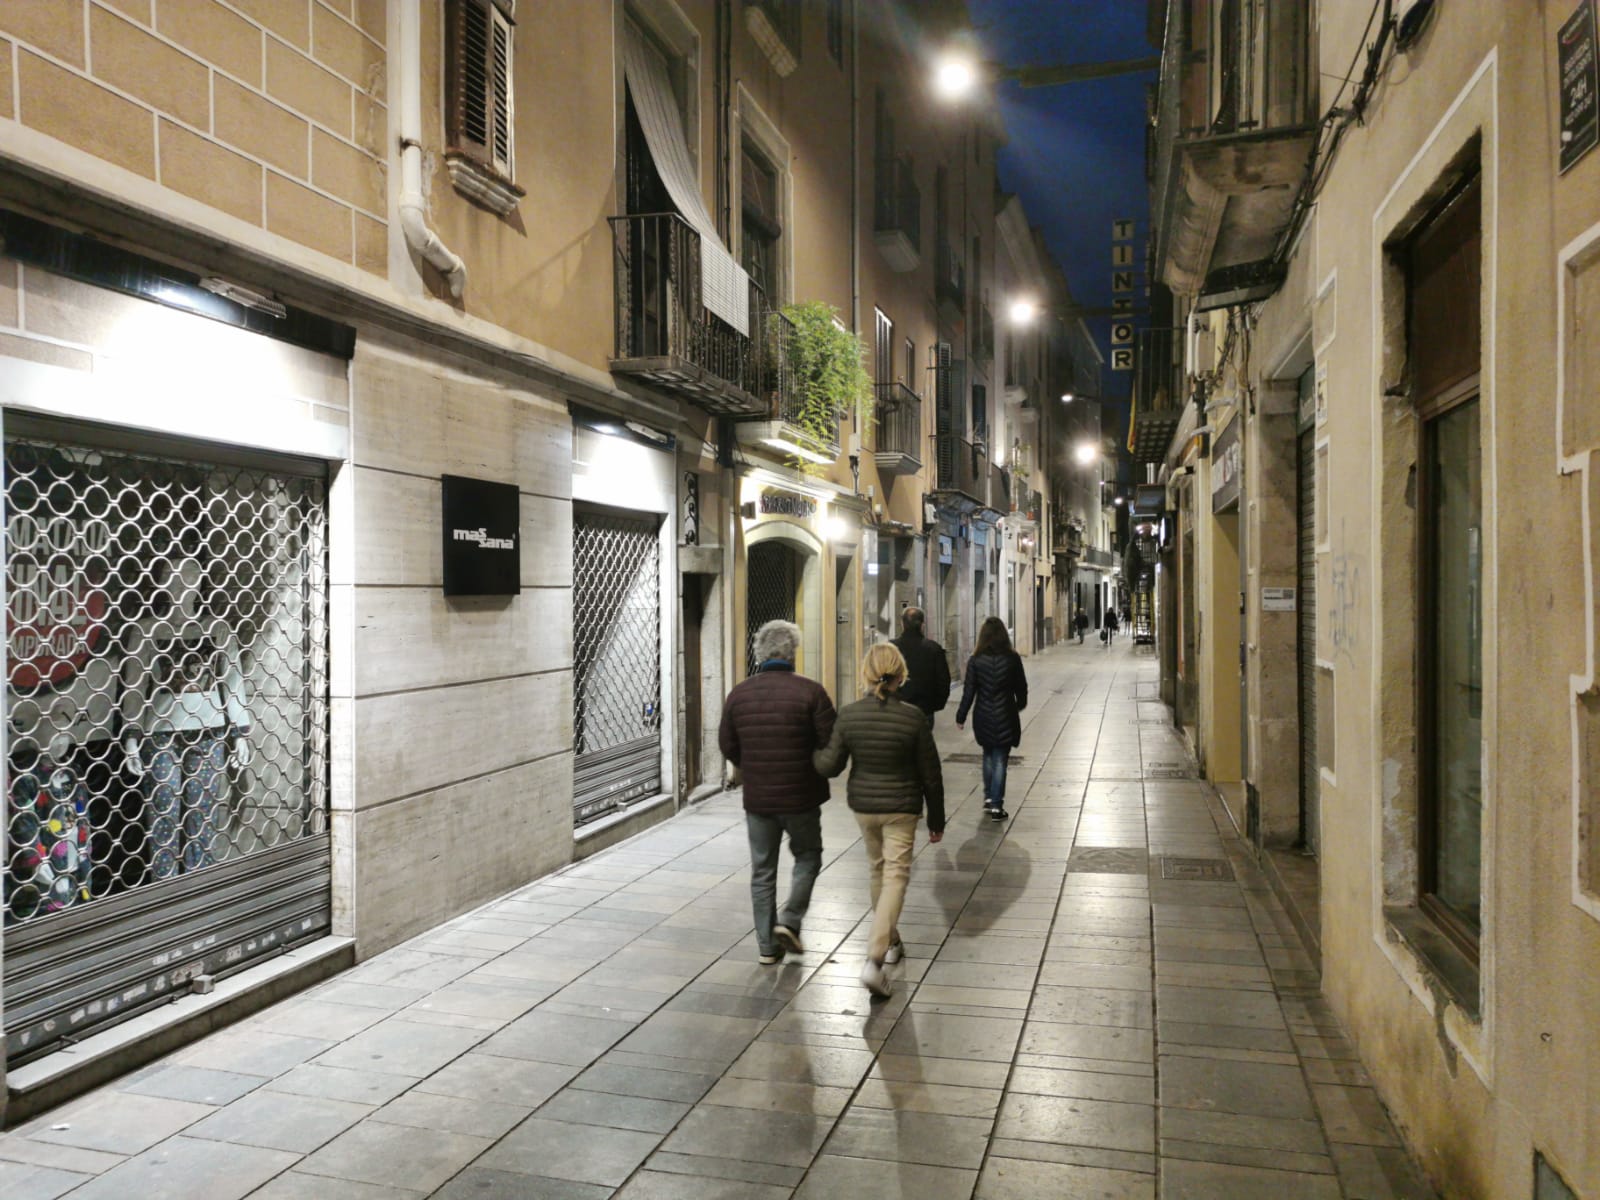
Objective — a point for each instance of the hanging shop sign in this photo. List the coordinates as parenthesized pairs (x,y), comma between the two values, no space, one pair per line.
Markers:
(482,537)
(1225,475)
(775,502)
(1580,85)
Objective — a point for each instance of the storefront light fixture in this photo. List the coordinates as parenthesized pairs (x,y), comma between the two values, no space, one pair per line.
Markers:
(1067,397)
(837,529)
(799,451)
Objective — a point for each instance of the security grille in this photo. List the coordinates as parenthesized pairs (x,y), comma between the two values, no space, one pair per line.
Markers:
(770,586)
(616,660)
(166,781)
(1306,642)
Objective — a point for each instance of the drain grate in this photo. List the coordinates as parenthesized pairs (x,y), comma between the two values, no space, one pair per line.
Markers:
(966,756)
(1196,870)
(1108,860)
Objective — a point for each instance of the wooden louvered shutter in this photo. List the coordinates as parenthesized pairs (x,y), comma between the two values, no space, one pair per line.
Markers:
(478,83)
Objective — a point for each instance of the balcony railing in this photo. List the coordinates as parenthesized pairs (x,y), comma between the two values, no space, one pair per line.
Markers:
(665,335)
(775,25)
(897,419)
(1234,126)
(985,332)
(1026,505)
(961,469)
(1158,389)
(783,426)
(950,282)
(1067,539)
(897,213)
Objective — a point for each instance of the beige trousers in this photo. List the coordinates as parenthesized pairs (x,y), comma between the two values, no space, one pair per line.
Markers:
(889,838)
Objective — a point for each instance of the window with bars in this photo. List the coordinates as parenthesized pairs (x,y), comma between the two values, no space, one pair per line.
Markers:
(478,83)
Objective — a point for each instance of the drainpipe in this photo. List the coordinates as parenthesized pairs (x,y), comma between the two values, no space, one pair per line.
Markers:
(413,202)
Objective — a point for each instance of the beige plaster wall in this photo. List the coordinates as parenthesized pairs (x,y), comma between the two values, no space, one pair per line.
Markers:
(1476,1094)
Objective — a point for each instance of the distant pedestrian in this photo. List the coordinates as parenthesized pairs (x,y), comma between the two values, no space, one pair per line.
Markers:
(772,723)
(1081,624)
(995,692)
(895,770)
(927,683)
(1111,625)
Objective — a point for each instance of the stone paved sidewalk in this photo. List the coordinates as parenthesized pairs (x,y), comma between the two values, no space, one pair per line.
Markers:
(1101,999)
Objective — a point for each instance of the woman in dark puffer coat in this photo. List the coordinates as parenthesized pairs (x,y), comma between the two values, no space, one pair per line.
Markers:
(996,691)
(896,769)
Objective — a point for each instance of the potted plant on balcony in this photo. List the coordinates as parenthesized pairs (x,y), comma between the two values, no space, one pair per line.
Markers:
(828,376)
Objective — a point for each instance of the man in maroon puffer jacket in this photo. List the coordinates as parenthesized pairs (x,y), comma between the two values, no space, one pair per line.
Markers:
(771,723)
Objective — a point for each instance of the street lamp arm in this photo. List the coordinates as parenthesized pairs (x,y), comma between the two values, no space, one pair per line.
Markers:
(1050,76)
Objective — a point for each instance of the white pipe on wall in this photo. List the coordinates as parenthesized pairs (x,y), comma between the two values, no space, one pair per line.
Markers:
(413,202)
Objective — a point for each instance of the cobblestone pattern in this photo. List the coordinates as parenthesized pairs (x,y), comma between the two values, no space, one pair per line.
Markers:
(1066,1023)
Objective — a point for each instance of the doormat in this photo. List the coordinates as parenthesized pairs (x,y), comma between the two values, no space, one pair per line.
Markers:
(1108,860)
(968,757)
(1196,870)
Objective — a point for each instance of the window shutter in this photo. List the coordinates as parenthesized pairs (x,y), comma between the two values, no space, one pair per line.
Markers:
(478,82)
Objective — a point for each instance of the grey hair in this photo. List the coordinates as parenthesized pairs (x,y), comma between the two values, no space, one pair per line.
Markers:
(776,639)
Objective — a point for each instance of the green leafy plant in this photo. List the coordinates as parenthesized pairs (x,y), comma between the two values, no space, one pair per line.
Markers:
(828,374)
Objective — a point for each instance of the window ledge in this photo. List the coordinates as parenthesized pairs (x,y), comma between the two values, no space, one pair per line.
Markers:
(483,186)
(1438,956)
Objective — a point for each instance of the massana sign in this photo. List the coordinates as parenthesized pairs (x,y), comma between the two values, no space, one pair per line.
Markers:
(482,537)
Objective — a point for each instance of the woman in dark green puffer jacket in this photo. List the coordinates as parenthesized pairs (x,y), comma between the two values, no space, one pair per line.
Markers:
(896,769)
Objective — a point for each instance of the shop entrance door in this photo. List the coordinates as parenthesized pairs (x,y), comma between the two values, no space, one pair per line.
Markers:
(772,582)
(616,658)
(846,652)
(166,748)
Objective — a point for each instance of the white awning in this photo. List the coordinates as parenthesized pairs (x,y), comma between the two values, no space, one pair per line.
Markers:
(724,286)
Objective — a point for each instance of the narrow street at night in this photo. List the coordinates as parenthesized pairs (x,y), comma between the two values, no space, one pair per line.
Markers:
(1098,995)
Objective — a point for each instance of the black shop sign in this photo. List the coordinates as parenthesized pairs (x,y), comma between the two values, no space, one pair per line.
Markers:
(1580,80)
(482,537)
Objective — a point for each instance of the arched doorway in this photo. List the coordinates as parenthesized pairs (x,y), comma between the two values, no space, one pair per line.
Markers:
(772,590)
(783,582)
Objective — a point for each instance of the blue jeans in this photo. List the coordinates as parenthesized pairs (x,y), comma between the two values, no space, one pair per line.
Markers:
(805,843)
(995,759)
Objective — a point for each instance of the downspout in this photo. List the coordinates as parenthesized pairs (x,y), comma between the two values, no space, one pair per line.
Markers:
(855,169)
(413,202)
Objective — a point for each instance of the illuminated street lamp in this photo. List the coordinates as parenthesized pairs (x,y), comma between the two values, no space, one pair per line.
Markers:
(956,73)
(1023,311)
(1067,397)
(1085,453)
(955,76)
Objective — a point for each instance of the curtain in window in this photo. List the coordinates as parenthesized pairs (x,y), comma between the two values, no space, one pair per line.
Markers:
(724,286)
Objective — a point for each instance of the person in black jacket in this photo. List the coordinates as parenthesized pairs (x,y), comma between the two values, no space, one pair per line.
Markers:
(896,769)
(996,692)
(771,725)
(927,683)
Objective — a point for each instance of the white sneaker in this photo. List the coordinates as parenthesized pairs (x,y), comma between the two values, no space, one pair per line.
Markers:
(894,954)
(874,980)
(788,940)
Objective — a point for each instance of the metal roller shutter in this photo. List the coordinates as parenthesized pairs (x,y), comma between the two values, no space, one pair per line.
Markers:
(166,751)
(1306,641)
(616,652)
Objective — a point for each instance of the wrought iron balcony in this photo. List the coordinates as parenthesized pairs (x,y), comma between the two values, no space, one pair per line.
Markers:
(775,25)
(1026,506)
(1234,129)
(665,335)
(985,332)
(1159,392)
(962,474)
(897,213)
(1067,539)
(950,283)
(897,420)
(785,426)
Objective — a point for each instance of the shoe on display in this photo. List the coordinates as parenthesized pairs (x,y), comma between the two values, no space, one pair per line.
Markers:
(788,939)
(895,953)
(875,981)
(766,960)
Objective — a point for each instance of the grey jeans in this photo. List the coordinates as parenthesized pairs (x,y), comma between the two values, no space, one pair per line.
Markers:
(805,843)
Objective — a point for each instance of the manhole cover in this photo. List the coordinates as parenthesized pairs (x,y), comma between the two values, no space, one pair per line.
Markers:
(1196,870)
(968,757)
(1108,860)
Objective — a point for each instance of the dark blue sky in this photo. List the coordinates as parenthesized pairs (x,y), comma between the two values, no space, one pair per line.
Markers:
(1076,151)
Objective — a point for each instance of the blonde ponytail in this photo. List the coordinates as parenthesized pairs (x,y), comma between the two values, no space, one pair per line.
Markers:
(883,670)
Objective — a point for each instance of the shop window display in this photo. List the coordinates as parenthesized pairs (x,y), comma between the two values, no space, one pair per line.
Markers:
(166,669)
